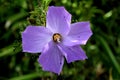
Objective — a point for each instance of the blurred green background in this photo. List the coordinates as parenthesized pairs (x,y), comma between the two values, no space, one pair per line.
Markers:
(102,49)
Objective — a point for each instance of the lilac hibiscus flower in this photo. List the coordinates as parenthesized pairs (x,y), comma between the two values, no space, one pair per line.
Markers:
(57,40)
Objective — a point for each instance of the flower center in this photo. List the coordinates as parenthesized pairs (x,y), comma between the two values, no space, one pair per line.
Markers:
(57,37)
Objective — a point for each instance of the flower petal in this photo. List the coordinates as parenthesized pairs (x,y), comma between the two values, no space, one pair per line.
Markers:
(58,20)
(79,34)
(51,58)
(72,53)
(34,38)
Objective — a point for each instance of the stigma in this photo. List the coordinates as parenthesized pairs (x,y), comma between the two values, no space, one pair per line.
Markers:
(57,38)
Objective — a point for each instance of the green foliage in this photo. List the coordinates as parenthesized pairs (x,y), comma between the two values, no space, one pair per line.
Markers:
(102,49)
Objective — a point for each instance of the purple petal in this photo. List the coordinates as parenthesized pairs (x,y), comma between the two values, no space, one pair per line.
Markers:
(79,34)
(58,20)
(72,53)
(34,38)
(51,58)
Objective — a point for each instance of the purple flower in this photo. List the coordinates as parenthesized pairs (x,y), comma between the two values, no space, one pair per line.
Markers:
(57,40)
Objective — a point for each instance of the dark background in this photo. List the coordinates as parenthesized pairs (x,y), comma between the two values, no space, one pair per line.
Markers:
(102,49)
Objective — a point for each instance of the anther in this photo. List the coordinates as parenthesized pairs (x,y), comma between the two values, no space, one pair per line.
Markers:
(57,37)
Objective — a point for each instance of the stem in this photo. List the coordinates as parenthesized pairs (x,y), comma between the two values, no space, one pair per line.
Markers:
(109,52)
(26,77)
(8,51)
(30,76)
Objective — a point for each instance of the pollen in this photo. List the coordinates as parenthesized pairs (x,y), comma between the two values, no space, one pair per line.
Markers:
(57,37)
